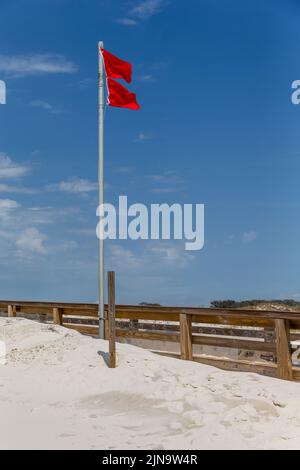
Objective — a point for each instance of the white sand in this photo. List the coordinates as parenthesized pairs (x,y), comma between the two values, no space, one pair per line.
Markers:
(56,392)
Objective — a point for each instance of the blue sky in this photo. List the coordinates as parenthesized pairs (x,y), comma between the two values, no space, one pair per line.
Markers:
(217,126)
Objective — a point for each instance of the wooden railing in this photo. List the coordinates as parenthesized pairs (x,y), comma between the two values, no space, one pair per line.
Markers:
(163,329)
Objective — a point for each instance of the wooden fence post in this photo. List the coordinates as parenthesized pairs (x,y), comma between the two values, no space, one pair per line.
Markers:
(186,337)
(12,311)
(283,349)
(57,316)
(112,319)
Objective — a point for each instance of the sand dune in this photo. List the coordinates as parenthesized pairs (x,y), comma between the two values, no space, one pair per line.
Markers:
(56,392)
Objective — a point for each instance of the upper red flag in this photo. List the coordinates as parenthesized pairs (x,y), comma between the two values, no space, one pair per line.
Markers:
(120,97)
(115,67)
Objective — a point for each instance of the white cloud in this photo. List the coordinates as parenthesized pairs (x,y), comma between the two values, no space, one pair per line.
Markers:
(47,215)
(6,188)
(7,206)
(143,137)
(121,257)
(46,106)
(9,169)
(20,233)
(145,9)
(249,237)
(154,256)
(142,11)
(127,21)
(75,186)
(168,177)
(37,64)
(167,182)
(32,240)
(171,254)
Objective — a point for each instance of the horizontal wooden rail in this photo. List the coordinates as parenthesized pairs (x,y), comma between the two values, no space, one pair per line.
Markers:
(141,309)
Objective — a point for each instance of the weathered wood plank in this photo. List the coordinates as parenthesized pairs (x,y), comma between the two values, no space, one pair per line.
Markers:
(112,319)
(106,326)
(186,338)
(34,311)
(11,311)
(85,330)
(283,348)
(147,335)
(296,373)
(251,314)
(57,316)
(36,305)
(135,315)
(233,320)
(234,343)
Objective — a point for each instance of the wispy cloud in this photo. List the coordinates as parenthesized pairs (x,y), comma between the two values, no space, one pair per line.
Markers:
(249,237)
(142,137)
(46,215)
(155,255)
(7,206)
(121,256)
(145,9)
(165,183)
(171,253)
(10,169)
(21,235)
(75,186)
(7,188)
(37,64)
(142,11)
(168,177)
(127,21)
(32,240)
(46,106)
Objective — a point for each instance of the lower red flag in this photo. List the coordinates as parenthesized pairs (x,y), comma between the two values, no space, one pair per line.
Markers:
(120,97)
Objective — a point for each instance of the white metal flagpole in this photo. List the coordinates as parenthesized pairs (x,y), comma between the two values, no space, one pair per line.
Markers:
(101,189)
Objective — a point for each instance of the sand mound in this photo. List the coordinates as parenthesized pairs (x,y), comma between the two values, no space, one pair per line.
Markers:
(56,392)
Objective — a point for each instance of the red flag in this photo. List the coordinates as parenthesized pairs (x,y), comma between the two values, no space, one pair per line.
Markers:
(115,67)
(120,97)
